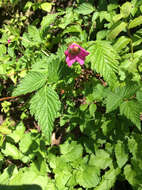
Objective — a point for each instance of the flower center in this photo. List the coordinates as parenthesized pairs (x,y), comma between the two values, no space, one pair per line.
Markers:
(74,50)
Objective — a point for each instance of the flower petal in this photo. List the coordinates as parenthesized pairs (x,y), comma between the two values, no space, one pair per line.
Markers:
(80,60)
(66,52)
(70,60)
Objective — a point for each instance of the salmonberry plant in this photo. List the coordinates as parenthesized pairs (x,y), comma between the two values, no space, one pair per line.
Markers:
(71,94)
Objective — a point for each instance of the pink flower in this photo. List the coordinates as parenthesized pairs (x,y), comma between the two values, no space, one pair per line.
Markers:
(9,41)
(75,53)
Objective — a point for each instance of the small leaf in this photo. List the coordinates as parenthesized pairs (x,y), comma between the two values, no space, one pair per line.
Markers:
(12,151)
(126,9)
(2,49)
(121,154)
(85,9)
(121,43)
(46,6)
(136,22)
(92,109)
(32,81)
(116,31)
(131,109)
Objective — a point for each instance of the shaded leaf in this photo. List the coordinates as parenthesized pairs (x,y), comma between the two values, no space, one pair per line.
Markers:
(131,109)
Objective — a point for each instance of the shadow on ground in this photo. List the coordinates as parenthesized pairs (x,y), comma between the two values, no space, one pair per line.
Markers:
(20,187)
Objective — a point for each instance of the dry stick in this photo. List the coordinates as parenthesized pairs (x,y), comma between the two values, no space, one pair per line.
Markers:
(7,98)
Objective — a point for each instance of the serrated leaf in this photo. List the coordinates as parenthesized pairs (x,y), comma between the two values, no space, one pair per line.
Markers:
(103,59)
(114,99)
(47,20)
(44,105)
(121,154)
(88,176)
(131,109)
(31,82)
(85,9)
(136,22)
(126,9)
(116,31)
(121,43)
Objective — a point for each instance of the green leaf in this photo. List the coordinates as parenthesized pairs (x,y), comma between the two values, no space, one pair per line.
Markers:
(46,6)
(130,174)
(25,143)
(7,174)
(85,9)
(136,22)
(131,109)
(121,43)
(121,154)
(32,81)
(92,109)
(108,180)
(101,160)
(47,20)
(12,151)
(71,151)
(27,176)
(44,105)
(2,49)
(88,176)
(18,132)
(114,99)
(103,60)
(116,31)
(125,9)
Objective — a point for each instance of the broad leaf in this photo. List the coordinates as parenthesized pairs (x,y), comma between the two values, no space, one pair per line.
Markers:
(44,106)
(131,109)
(108,180)
(32,81)
(114,99)
(121,154)
(88,176)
